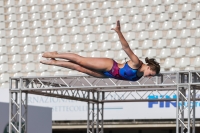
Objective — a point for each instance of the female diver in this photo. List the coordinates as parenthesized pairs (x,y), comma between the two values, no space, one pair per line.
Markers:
(132,70)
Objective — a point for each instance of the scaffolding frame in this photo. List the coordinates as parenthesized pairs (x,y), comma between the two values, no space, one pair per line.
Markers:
(96,92)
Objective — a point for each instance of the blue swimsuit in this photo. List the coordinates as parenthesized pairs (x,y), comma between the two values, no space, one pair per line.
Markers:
(125,73)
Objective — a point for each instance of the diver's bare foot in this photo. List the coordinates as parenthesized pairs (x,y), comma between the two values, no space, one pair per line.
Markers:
(49,54)
(48,62)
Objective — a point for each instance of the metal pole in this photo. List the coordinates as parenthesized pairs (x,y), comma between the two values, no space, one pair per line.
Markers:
(20,106)
(193,107)
(93,113)
(177,105)
(189,108)
(97,128)
(182,105)
(88,114)
(10,105)
(102,115)
(26,111)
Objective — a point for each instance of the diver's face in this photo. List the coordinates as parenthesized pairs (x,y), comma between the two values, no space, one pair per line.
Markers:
(148,72)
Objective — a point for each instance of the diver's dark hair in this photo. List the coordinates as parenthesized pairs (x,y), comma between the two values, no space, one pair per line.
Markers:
(153,64)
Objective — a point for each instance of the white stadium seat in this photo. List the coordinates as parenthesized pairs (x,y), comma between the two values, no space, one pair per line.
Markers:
(166,52)
(118,4)
(96,13)
(197,33)
(186,7)
(163,17)
(160,9)
(174,69)
(4,77)
(121,12)
(15,49)
(109,54)
(62,31)
(16,67)
(105,46)
(189,68)
(194,51)
(30,67)
(66,48)
(17,74)
(196,62)
(53,47)
(84,13)
(3,50)
(144,2)
(146,10)
(121,55)
(137,18)
(153,26)
(172,8)
(4,68)
(91,38)
(108,12)
(23,17)
(157,34)
(177,16)
(27,49)
(189,42)
(138,52)
(94,5)
(129,36)
(169,2)
(150,53)
(190,15)
(181,1)
(131,3)
(167,25)
(34,9)
(46,8)
(175,43)
(31,74)
(181,24)
(95,54)
(143,35)
(98,20)
(179,52)
(171,34)
(134,10)
(124,19)
(134,44)
(58,7)
(22,2)
(3,59)
(92,46)
(77,38)
(79,47)
(161,43)
(16,58)
(26,40)
(64,39)
(61,22)
(102,38)
(106,4)
(147,44)
(29,58)
(169,62)
(88,29)
(183,62)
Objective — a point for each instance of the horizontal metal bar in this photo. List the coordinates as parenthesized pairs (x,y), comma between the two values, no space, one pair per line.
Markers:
(63,96)
(140,100)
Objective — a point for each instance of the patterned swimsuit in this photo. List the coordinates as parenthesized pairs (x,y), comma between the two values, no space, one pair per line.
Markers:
(125,73)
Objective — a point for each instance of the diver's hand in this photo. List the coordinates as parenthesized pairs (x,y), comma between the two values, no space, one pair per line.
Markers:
(117,28)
